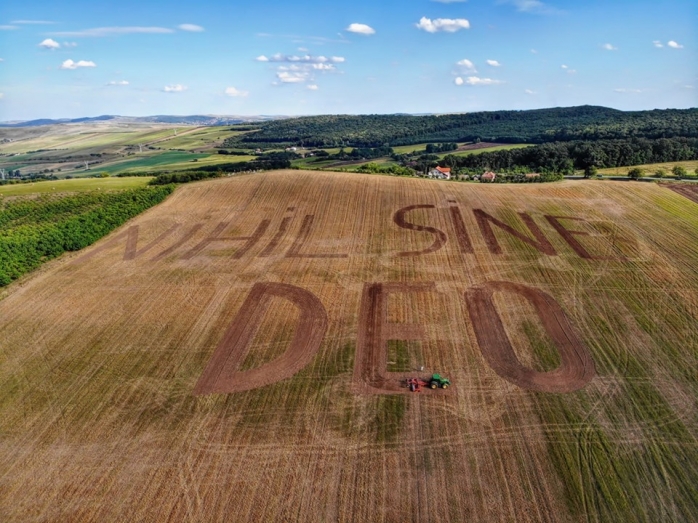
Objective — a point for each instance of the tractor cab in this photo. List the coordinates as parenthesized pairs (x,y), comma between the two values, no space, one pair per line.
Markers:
(439,381)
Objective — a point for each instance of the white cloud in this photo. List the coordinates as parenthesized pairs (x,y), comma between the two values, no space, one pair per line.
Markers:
(305,59)
(2,95)
(190,27)
(458,80)
(493,63)
(447,25)
(475,80)
(235,93)
(674,45)
(467,65)
(609,47)
(564,66)
(174,88)
(528,91)
(117,82)
(69,64)
(623,90)
(362,29)
(50,44)
(115,31)
(657,43)
(8,27)
(292,78)
(313,87)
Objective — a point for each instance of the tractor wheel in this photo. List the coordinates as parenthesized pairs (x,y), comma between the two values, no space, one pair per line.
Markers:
(434,385)
(444,386)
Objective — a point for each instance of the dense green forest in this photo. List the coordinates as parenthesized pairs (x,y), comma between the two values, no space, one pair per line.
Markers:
(38,229)
(565,157)
(535,126)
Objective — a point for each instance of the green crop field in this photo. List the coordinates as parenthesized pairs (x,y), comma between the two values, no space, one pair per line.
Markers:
(74,185)
(651,169)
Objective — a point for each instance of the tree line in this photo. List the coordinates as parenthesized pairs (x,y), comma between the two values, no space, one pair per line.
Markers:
(35,230)
(566,157)
(586,123)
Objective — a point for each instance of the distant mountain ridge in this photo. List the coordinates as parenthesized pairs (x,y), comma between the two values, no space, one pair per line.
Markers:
(205,120)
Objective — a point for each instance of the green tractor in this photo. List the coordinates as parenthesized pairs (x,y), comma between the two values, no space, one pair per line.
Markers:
(437,381)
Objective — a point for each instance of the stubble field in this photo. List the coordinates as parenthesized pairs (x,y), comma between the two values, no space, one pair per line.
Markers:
(238,354)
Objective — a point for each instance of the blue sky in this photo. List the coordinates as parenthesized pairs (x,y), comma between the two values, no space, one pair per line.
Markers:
(79,58)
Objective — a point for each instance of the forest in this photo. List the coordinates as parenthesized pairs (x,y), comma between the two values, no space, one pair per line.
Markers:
(589,123)
(566,157)
(35,230)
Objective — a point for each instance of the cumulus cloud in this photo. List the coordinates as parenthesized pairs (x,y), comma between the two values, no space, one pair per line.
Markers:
(174,88)
(190,27)
(494,63)
(674,45)
(50,44)
(529,91)
(466,65)
(69,64)
(458,80)
(305,59)
(313,87)
(294,69)
(447,25)
(657,43)
(287,77)
(474,80)
(362,29)
(235,93)
(115,31)
(609,47)
(566,68)
(117,82)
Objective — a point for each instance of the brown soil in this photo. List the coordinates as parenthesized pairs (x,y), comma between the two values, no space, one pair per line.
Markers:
(222,375)
(576,368)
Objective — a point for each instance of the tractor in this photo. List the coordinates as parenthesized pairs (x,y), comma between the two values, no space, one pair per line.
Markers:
(439,381)
(436,381)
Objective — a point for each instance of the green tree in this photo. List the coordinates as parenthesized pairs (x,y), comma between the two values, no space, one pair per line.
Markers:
(661,173)
(679,171)
(635,173)
(590,171)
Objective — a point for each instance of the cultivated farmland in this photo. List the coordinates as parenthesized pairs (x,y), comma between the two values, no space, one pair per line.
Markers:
(238,354)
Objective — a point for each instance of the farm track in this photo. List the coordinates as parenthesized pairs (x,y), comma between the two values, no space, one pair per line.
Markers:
(113,407)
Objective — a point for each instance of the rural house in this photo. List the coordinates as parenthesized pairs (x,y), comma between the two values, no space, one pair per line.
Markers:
(489,176)
(442,173)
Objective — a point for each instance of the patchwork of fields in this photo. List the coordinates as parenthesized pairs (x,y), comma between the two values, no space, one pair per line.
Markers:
(238,353)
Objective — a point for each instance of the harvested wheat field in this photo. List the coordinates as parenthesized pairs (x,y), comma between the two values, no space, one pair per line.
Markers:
(239,353)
